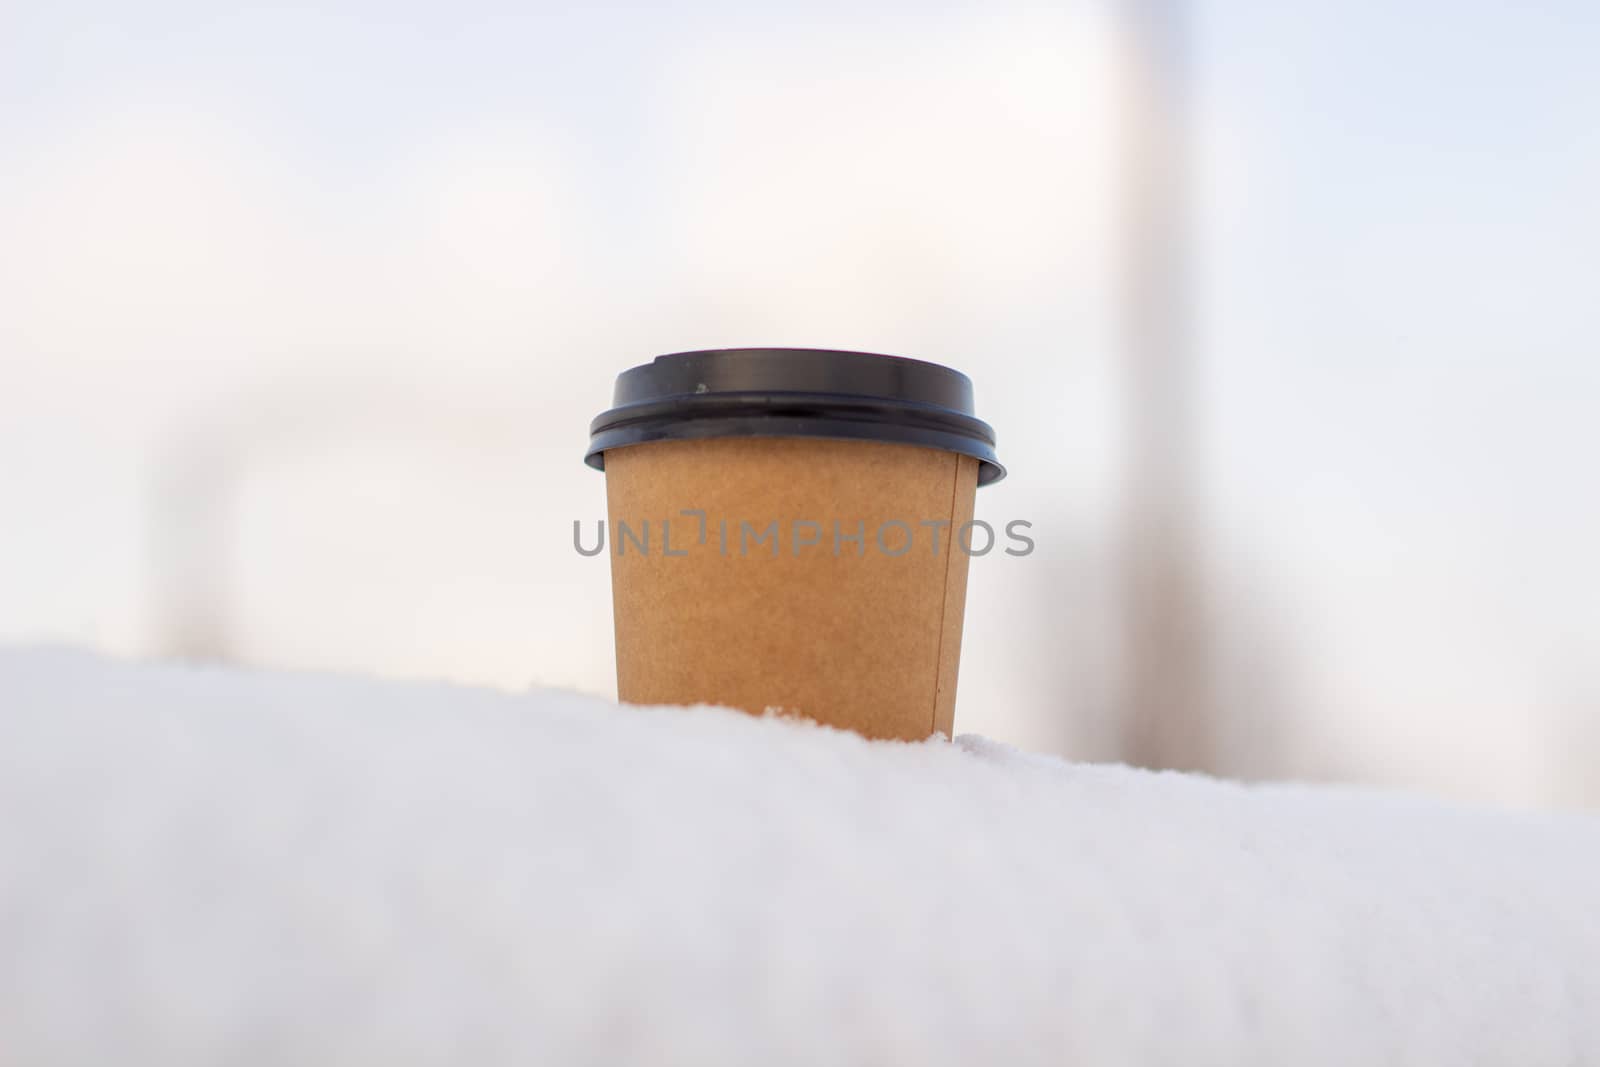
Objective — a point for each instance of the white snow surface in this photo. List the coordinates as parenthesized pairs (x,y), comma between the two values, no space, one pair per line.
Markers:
(202,866)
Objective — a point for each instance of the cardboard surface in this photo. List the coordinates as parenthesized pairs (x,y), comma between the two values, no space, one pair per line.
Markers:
(845,633)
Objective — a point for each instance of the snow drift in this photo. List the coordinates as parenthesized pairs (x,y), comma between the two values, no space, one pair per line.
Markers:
(203,865)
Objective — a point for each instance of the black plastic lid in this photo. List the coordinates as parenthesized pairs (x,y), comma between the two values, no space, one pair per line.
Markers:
(795,392)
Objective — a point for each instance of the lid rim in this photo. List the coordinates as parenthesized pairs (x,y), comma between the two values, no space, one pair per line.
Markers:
(990,469)
(691,407)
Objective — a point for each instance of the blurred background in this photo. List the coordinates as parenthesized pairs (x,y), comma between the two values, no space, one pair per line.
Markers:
(1285,315)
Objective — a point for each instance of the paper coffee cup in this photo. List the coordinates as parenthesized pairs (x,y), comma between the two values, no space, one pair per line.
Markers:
(788,532)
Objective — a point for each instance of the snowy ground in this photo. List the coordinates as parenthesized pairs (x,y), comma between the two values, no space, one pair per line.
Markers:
(213,866)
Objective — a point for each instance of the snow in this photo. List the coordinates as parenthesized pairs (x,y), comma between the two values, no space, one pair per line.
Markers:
(209,865)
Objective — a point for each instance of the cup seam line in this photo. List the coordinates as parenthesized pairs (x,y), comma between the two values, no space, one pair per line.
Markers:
(944,597)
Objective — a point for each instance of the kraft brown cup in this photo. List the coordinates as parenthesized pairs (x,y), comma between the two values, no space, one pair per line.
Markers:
(860,630)
(861,640)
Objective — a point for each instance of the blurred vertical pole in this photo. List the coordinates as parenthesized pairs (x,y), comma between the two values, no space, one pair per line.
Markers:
(190,542)
(1165,715)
